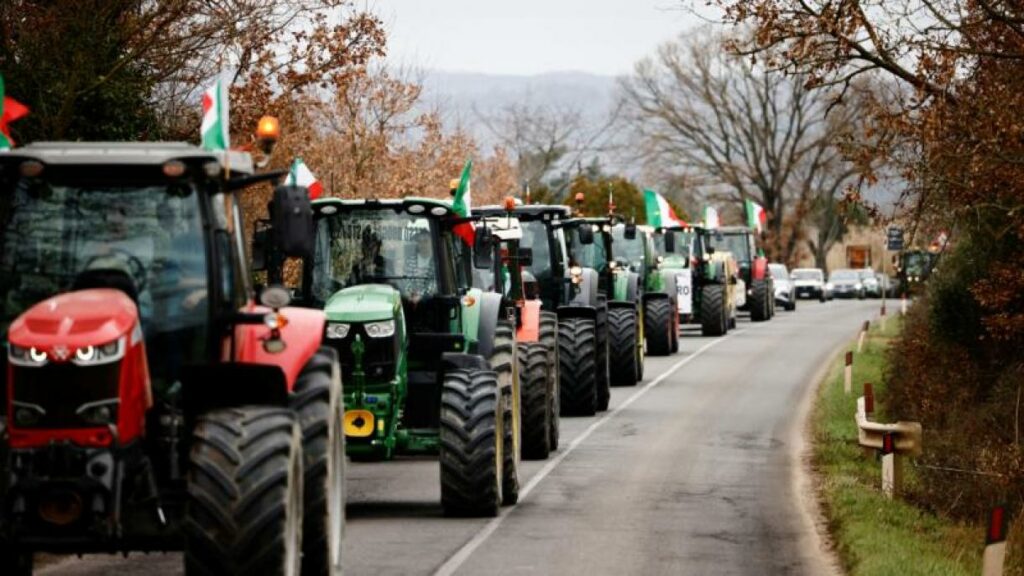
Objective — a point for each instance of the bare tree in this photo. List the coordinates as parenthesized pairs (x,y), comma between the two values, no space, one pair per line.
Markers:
(737,130)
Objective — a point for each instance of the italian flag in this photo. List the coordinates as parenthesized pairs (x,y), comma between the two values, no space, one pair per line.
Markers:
(300,175)
(462,204)
(214,128)
(711,218)
(756,216)
(659,213)
(10,110)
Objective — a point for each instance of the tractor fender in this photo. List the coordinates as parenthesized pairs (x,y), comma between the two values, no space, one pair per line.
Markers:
(760,270)
(458,361)
(529,328)
(302,335)
(586,293)
(490,312)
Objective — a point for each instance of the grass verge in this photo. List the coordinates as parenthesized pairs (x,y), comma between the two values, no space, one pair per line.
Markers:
(874,536)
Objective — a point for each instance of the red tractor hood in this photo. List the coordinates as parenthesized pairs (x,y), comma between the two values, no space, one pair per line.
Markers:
(62,324)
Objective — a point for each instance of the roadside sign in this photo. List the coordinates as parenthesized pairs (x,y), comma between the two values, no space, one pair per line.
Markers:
(894,238)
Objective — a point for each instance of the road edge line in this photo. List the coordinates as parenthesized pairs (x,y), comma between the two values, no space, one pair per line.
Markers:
(456,560)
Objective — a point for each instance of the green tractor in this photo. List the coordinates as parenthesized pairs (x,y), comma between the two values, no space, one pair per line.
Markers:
(914,268)
(708,285)
(741,242)
(429,361)
(621,330)
(634,247)
(536,338)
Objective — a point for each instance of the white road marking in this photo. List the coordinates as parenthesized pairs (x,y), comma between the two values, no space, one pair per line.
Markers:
(459,557)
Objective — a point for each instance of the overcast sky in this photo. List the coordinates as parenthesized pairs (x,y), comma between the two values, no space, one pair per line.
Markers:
(529,36)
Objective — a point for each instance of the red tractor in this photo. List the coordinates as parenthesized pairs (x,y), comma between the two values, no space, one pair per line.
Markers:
(151,404)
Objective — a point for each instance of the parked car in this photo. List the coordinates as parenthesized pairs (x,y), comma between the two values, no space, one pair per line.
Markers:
(809,283)
(872,287)
(846,284)
(785,294)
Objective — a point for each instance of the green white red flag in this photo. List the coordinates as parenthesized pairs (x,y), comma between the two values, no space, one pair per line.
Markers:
(659,212)
(711,218)
(756,216)
(214,128)
(301,175)
(10,110)
(462,204)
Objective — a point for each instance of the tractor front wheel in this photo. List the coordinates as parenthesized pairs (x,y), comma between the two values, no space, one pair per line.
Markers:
(622,348)
(577,357)
(604,392)
(503,362)
(549,337)
(712,310)
(536,413)
(759,306)
(471,443)
(244,509)
(316,401)
(658,326)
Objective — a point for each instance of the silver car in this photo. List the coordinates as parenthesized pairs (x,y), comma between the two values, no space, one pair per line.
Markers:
(785,294)
(846,283)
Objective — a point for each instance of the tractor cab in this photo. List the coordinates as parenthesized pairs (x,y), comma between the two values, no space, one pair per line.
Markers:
(741,243)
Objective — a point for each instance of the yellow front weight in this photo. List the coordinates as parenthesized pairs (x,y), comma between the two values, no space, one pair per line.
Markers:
(358,423)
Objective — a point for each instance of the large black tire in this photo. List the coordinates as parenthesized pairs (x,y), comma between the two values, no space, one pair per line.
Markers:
(577,357)
(759,311)
(243,514)
(503,362)
(622,349)
(471,443)
(549,337)
(658,326)
(791,303)
(712,310)
(536,396)
(316,401)
(604,391)
(676,321)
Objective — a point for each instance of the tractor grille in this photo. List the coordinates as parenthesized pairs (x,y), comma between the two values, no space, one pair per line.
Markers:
(379,355)
(60,390)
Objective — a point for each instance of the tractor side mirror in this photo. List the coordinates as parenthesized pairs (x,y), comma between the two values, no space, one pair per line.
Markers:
(710,250)
(630,232)
(525,256)
(670,242)
(586,234)
(291,217)
(260,237)
(483,249)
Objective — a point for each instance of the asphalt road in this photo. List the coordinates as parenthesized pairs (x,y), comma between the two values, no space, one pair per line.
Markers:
(690,472)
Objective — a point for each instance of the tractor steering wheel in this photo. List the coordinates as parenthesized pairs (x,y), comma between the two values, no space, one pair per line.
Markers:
(137,270)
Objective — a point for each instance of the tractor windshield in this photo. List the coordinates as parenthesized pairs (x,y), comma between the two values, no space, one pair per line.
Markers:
(736,244)
(535,237)
(680,257)
(376,246)
(591,255)
(632,251)
(916,263)
(145,240)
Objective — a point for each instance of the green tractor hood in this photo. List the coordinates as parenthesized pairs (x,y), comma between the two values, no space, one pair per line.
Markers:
(364,303)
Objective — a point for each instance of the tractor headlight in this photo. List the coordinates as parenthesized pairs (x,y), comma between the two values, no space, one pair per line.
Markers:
(99,413)
(26,414)
(337,331)
(20,356)
(381,329)
(104,354)
(858,286)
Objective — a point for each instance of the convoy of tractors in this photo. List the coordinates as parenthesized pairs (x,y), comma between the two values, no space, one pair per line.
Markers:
(156,400)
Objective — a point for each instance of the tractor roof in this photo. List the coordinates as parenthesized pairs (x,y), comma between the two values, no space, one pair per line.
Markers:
(734,230)
(127,153)
(527,211)
(412,205)
(504,227)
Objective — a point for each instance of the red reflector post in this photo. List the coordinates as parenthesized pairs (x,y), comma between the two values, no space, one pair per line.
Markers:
(849,358)
(869,398)
(997,525)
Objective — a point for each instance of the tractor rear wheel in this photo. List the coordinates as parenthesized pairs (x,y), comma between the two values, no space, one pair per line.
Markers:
(577,357)
(712,310)
(658,325)
(759,307)
(316,401)
(536,414)
(549,337)
(604,392)
(244,509)
(622,352)
(471,443)
(503,362)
